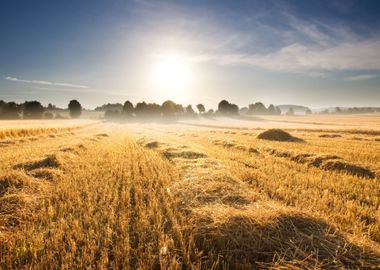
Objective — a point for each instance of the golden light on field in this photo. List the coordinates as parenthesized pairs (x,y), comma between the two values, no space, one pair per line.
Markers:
(305,195)
(172,75)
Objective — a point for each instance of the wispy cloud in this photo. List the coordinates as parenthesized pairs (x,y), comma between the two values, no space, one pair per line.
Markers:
(312,48)
(70,85)
(362,77)
(308,60)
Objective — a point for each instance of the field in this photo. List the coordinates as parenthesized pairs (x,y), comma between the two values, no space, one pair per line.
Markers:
(196,194)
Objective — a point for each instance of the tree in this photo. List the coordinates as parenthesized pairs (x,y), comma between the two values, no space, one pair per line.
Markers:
(153,110)
(271,109)
(110,106)
(224,107)
(128,108)
(179,110)
(210,112)
(190,111)
(75,108)
(141,109)
(308,111)
(168,109)
(201,108)
(290,111)
(243,110)
(233,109)
(257,108)
(32,110)
(9,110)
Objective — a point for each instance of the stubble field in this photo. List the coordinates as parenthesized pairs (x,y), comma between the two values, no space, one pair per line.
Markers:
(205,194)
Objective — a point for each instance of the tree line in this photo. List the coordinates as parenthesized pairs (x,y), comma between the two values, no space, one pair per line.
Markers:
(170,109)
(351,110)
(35,110)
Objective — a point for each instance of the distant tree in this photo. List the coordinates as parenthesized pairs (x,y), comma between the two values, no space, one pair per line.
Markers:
(168,109)
(243,110)
(290,111)
(128,108)
(278,110)
(234,109)
(110,106)
(141,109)
(257,108)
(179,110)
(272,109)
(153,110)
(308,111)
(189,110)
(32,110)
(75,108)
(224,107)
(210,112)
(338,110)
(201,108)
(9,110)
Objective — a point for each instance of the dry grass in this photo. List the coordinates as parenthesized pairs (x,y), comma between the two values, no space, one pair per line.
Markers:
(12,133)
(146,198)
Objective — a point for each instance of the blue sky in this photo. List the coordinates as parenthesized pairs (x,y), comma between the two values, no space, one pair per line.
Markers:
(314,53)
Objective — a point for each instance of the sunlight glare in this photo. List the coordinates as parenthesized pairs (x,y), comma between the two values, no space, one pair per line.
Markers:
(171,75)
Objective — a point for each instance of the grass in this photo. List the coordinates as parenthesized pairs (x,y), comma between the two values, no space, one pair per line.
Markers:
(179,197)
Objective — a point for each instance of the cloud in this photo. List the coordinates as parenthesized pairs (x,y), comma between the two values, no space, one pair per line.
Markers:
(308,60)
(362,77)
(14,79)
(313,48)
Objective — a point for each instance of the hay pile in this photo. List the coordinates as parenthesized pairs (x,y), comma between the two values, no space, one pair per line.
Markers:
(152,145)
(353,169)
(330,136)
(325,162)
(176,153)
(218,189)
(102,135)
(278,135)
(50,161)
(48,174)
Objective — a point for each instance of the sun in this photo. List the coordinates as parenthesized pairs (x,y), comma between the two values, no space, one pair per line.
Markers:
(171,74)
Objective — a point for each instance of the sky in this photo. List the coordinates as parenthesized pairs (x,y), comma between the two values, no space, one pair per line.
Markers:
(315,53)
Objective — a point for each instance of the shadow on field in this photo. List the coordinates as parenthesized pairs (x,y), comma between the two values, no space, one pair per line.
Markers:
(50,161)
(245,241)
